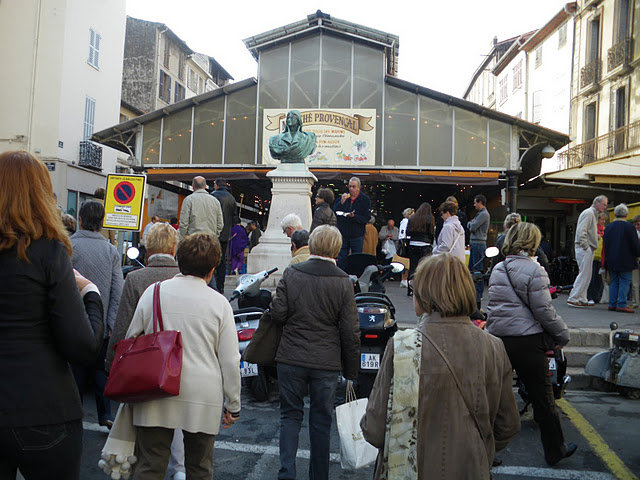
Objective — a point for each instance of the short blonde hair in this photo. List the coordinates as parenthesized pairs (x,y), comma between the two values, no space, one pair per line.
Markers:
(442,283)
(325,241)
(161,238)
(511,219)
(522,236)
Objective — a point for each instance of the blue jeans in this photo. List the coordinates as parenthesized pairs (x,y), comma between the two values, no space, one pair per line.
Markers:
(294,383)
(42,452)
(476,254)
(619,289)
(349,245)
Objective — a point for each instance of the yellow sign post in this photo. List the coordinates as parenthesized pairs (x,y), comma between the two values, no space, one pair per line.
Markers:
(124,202)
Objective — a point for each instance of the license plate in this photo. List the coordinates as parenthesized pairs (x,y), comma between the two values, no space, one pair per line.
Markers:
(552,364)
(370,361)
(248,369)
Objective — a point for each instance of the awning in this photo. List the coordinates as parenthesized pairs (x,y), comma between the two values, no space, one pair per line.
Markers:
(621,171)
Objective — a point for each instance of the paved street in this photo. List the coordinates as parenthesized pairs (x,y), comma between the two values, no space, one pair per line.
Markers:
(249,450)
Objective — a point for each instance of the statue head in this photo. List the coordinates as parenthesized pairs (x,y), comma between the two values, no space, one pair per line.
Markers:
(294,120)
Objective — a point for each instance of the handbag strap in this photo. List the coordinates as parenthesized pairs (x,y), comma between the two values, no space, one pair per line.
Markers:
(158,325)
(506,270)
(457,382)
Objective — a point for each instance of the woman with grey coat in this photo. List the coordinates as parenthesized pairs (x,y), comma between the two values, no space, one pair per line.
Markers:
(521,315)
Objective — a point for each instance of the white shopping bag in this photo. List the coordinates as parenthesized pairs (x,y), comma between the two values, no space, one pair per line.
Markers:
(355,452)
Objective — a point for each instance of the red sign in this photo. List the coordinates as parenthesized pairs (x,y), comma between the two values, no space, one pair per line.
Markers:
(124,192)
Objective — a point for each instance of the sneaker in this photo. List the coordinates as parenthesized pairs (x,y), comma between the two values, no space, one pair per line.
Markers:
(404,284)
(591,303)
(625,310)
(571,449)
(573,303)
(179,476)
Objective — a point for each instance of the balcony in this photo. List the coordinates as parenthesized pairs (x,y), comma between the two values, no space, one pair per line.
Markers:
(601,148)
(90,155)
(619,55)
(590,74)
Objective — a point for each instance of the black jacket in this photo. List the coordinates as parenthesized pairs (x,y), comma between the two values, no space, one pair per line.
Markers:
(621,246)
(43,328)
(228,205)
(323,216)
(314,302)
(361,208)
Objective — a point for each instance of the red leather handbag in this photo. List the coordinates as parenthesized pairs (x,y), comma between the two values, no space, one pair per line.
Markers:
(147,367)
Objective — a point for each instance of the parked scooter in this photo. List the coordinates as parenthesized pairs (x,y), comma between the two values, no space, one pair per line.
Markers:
(252,302)
(557,374)
(620,366)
(134,264)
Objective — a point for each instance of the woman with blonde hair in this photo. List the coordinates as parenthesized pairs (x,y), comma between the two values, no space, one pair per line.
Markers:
(446,418)
(44,326)
(520,313)
(315,305)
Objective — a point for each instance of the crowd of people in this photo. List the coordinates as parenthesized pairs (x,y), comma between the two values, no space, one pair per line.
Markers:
(66,305)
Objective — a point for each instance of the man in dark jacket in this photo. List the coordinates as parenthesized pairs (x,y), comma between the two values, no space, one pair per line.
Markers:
(353,210)
(621,250)
(228,204)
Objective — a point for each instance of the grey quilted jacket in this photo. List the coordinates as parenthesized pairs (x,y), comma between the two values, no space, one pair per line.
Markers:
(510,315)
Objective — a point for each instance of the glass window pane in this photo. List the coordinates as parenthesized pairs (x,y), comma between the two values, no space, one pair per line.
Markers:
(72,203)
(274,69)
(368,80)
(435,133)
(336,73)
(305,66)
(471,140)
(176,138)
(400,136)
(240,142)
(207,130)
(151,143)
(499,144)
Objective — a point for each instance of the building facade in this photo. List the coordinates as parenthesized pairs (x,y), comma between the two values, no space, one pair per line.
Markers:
(65,59)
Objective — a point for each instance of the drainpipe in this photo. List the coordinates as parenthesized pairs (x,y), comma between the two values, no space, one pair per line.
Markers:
(34,75)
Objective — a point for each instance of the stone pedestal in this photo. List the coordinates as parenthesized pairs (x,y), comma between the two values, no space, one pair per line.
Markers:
(290,193)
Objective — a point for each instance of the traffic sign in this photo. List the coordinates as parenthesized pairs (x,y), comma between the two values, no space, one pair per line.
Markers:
(124,202)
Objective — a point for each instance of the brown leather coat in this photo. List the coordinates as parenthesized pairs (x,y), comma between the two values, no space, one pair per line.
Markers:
(314,302)
(449,444)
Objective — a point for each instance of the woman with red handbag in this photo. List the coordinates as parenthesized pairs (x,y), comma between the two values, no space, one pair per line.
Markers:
(210,378)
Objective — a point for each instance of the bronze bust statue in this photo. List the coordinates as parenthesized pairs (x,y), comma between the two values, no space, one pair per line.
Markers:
(293,145)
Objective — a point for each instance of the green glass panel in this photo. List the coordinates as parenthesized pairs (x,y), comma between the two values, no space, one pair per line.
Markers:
(176,138)
(208,129)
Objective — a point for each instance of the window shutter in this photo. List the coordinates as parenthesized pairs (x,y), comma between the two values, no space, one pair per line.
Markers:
(96,52)
(161,89)
(168,89)
(91,40)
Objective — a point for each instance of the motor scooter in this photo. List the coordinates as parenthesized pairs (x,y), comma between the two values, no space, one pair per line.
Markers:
(558,376)
(252,302)
(620,365)
(132,254)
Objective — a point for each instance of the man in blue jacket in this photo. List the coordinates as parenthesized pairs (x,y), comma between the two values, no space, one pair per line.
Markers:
(621,250)
(353,211)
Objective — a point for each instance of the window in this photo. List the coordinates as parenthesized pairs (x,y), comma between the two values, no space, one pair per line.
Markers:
(590,122)
(167,48)
(94,48)
(164,90)
(89,117)
(593,52)
(536,114)
(503,92)
(181,67)
(538,56)
(492,84)
(194,82)
(562,36)
(180,92)
(517,76)
(622,21)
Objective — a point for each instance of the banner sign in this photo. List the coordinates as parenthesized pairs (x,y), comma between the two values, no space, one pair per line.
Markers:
(343,137)
(124,201)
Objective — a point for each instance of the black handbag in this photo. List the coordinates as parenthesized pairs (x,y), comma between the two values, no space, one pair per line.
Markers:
(403,248)
(263,346)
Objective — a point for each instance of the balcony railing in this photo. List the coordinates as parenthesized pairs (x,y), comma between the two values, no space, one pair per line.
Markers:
(590,74)
(601,148)
(90,155)
(619,54)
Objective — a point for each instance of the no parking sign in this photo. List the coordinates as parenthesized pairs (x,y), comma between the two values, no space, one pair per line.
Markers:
(124,201)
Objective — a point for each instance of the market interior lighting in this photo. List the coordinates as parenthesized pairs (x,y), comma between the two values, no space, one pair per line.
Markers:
(548,151)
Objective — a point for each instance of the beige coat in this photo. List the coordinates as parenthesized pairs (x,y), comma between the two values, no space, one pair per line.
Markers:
(449,444)
(201,213)
(210,357)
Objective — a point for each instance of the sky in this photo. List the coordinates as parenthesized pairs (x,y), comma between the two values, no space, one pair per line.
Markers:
(441,42)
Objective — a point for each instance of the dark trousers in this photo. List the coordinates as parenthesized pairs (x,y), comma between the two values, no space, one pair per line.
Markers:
(527,356)
(83,374)
(41,452)
(476,264)
(221,269)
(349,245)
(596,286)
(294,383)
(153,447)
(415,255)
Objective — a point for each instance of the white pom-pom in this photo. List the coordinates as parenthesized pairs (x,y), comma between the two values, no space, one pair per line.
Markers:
(125,466)
(120,458)
(102,464)
(105,456)
(126,475)
(132,459)
(115,476)
(112,461)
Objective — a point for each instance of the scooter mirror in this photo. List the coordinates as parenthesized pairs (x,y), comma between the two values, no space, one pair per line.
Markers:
(133,253)
(397,267)
(491,252)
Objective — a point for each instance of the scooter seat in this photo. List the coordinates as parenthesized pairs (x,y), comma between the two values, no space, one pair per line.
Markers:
(357,262)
